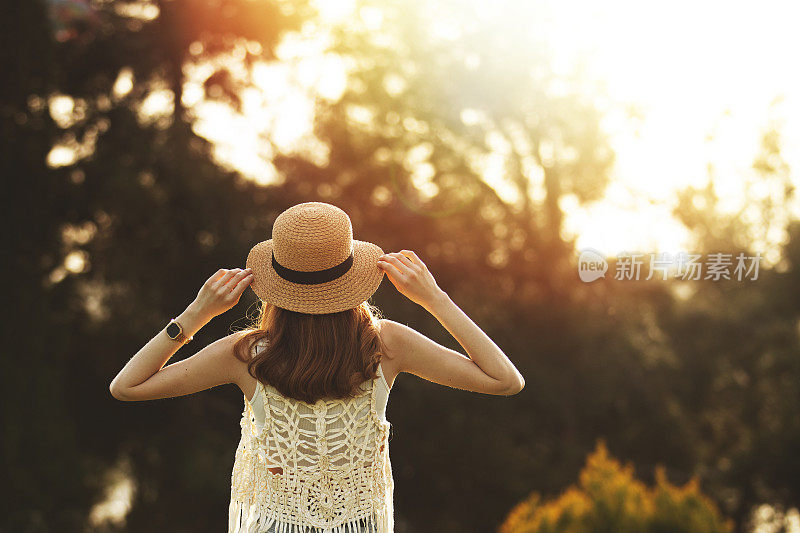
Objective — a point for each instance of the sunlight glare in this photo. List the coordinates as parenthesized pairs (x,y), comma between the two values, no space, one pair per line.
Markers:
(334,10)
(704,84)
(236,142)
(61,109)
(124,82)
(118,500)
(61,156)
(702,88)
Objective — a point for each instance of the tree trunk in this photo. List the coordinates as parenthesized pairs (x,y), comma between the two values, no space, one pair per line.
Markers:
(175,46)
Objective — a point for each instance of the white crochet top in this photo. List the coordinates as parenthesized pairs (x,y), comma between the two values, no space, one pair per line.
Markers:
(321,468)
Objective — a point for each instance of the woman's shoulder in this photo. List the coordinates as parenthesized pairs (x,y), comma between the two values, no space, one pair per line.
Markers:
(244,380)
(393,335)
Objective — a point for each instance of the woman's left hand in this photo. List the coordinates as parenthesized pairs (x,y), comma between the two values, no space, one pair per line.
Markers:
(222,291)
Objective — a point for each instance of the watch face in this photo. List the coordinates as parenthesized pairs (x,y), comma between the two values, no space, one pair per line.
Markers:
(173,330)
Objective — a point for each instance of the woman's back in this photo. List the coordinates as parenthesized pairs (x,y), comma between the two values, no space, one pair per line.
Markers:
(325,465)
(256,404)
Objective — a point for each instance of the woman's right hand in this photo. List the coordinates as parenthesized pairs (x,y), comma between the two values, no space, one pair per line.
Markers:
(412,278)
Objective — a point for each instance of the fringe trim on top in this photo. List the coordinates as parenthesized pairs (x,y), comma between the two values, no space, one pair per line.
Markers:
(246,518)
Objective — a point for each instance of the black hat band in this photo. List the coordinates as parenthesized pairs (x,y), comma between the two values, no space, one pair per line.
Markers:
(314,277)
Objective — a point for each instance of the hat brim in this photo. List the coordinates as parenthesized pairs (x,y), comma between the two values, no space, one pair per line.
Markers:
(345,292)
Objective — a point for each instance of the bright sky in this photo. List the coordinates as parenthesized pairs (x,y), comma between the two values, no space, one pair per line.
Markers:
(695,68)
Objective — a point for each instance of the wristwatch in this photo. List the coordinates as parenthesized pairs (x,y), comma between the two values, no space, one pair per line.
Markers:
(175,332)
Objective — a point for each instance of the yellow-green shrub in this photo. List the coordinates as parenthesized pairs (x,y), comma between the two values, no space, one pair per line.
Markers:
(608,499)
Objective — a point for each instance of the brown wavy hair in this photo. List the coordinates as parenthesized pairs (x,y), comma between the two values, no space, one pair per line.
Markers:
(309,357)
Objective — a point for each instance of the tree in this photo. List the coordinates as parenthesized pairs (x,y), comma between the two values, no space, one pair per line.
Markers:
(92,236)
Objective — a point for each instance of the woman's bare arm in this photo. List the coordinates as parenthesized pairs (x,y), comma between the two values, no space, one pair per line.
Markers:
(487,369)
(144,376)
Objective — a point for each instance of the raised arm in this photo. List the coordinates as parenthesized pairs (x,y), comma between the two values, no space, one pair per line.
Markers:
(144,377)
(487,369)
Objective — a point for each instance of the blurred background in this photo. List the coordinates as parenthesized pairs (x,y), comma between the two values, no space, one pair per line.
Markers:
(147,143)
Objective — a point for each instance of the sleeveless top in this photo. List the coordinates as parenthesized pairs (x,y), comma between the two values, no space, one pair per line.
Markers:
(313,468)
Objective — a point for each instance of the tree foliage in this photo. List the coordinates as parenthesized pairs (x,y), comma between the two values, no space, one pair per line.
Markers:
(608,498)
(104,246)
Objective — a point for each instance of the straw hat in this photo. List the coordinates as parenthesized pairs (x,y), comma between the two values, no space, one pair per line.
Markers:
(312,264)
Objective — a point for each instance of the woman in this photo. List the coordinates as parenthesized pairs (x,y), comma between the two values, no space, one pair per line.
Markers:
(316,372)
